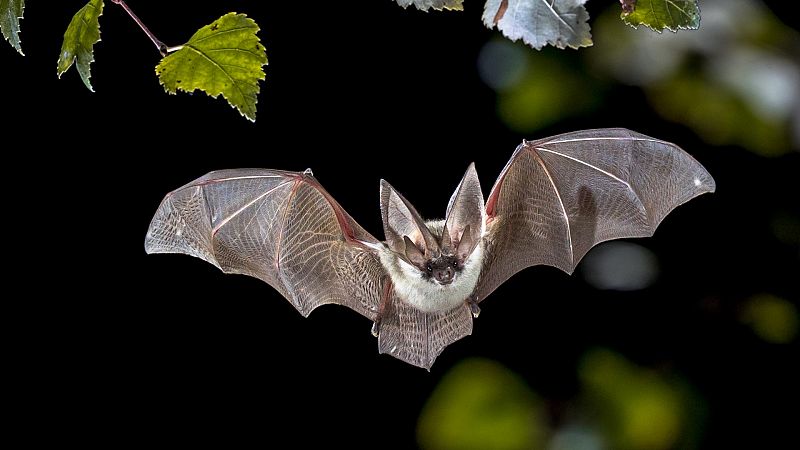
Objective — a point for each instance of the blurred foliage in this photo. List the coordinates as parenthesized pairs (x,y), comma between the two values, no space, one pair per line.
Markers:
(773,319)
(733,82)
(535,89)
(480,404)
(640,408)
(720,116)
(535,102)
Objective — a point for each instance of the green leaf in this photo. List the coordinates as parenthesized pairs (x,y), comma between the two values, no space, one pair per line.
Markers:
(10,13)
(562,23)
(424,5)
(225,57)
(673,15)
(79,39)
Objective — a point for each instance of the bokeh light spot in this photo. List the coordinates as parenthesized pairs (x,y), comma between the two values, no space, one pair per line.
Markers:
(772,318)
(479,404)
(621,266)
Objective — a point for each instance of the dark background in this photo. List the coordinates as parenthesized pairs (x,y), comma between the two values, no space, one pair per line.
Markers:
(166,349)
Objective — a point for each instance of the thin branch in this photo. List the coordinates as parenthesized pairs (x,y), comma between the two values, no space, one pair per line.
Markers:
(162,48)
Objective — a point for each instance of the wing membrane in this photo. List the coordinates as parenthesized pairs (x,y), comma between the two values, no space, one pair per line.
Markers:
(558,197)
(280,227)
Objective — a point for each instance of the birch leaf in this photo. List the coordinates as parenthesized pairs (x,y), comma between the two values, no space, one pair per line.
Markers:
(561,23)
(225,57)
(658,15)
(79,39)
(10,13)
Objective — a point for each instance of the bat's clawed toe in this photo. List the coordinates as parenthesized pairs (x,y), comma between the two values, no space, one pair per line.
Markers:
(376,328)
(474,308)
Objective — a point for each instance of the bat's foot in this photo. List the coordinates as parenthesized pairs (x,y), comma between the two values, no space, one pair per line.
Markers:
(376,328)
(474,308)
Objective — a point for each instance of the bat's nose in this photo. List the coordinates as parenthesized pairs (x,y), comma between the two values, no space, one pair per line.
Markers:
(445,275)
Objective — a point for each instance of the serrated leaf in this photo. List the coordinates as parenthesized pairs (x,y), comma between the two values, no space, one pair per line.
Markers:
(79,39)
(658,15)
(424,5)
(225,57)
(562,23)
(10,13)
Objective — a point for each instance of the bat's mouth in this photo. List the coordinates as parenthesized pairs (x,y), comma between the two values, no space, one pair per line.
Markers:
(444,282)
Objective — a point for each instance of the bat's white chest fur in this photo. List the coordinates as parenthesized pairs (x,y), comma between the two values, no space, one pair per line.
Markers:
(411,286)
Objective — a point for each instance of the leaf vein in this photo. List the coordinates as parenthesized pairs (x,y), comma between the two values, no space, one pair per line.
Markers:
(218,33)
(235,82)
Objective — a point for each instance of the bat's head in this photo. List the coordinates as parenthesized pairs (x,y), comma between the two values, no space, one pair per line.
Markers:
(438,249)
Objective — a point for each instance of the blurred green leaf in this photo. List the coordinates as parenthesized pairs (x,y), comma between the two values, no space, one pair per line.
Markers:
(79,39)
(225,57)
(547,92)
(10,13)
(772,318)
(658,15)
(718,115)
(562,23)
(643,411)
(424,5)
(479,404)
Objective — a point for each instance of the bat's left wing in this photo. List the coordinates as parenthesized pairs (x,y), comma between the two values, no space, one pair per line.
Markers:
(280,227)
(558,197)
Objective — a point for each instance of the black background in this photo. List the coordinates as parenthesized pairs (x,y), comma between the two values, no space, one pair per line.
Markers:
(166,349)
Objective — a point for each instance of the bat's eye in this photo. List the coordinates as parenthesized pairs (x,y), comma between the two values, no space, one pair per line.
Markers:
(455,264)
(429,268)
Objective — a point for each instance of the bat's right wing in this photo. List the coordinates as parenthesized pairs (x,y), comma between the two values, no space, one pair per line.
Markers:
(280,227)
(558,197)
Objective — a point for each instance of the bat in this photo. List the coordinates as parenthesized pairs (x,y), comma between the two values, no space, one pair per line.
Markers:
(555,199)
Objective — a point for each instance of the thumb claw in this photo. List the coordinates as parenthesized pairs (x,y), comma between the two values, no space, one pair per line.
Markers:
(474,308)
(376,328)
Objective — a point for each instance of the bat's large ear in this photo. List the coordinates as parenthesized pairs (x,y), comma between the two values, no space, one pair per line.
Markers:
(400,219)
(466,215)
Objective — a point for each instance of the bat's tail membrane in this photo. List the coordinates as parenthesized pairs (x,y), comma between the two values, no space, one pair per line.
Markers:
(418,337)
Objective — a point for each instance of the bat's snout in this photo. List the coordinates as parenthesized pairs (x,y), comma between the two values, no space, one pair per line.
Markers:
(444,275)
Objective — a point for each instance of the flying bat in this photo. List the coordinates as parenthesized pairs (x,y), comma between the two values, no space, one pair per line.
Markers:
(421,287)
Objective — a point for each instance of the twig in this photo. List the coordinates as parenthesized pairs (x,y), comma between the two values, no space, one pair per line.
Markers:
(162,48)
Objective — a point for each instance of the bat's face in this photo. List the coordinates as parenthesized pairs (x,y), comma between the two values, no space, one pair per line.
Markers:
(440,263)
(442,270)
(438,277)
(437,249)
